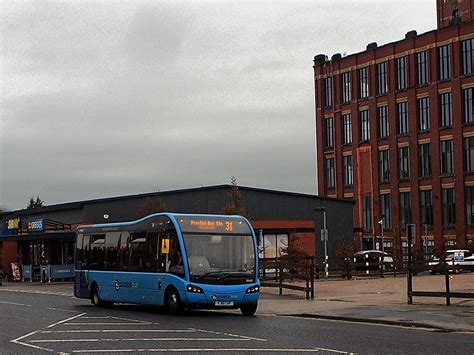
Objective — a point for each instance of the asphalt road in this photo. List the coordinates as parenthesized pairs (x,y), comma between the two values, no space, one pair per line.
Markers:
(41,323)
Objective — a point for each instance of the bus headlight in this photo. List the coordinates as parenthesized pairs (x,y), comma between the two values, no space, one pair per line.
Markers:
(253,289)
(194,289)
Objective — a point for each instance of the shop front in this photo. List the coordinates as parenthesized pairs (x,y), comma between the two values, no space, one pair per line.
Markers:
(44,251)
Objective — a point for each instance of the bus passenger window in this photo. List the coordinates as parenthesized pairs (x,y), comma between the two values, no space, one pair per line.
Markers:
(97,252)
(137,252)
(151,253)
(112,244)
(123,254)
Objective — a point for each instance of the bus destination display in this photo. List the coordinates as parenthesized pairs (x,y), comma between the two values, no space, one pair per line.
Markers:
(213,225)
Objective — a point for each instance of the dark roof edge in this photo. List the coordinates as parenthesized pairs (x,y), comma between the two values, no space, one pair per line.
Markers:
(79,204)
(465,23)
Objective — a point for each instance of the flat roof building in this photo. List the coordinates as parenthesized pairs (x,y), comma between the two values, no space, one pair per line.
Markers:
(45,235)
(395,132)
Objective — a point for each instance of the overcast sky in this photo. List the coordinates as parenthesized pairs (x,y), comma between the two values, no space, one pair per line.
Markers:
(100,99)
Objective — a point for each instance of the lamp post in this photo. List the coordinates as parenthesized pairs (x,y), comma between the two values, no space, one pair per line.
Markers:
(381,233)
(324,237)
(383,248)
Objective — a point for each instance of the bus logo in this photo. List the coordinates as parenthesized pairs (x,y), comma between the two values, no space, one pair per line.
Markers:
(116,285)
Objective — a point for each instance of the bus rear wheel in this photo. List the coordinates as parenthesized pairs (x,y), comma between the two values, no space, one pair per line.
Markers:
(249,309)
(173,302)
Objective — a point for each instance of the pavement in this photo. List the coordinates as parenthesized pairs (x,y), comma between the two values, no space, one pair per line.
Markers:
(377,300)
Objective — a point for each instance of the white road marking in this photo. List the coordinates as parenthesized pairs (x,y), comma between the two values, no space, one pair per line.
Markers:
(230,335)
(16,304)
(121,331)
(19,342)
(109,323)
(132,320)
(96,340)
(245,350)
(65,320)
(62,310)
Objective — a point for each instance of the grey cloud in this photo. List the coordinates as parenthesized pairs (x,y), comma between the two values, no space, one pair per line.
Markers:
(110,98)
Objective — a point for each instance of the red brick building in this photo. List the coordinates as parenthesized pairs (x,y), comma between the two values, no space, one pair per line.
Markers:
(395,132)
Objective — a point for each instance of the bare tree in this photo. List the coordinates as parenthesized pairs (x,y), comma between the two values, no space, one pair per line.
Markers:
(151,205)
(233,206)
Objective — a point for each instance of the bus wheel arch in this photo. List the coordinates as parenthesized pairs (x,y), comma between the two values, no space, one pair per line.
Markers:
(95,296)
(173,304)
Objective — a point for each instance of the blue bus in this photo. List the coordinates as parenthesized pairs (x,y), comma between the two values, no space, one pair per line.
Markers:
(179,261)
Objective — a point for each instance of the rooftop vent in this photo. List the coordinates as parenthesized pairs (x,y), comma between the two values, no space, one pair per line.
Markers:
(372,45)
(336,56)
(411,34)
(320,59)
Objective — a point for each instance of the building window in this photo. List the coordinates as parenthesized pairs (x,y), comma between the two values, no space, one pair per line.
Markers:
(348,170)
(402,111)
(405,209)
(425,160)
(347,128)
(447,162)
(364,125)
(330,173)
(426,207)
(382,81)
(444,55)
(468,56)
(346,87)
(367,212)
(404,163)
(329,132)
(382,113)
(446,109)
(402,82)
(469,154)
(469,201)
(328,91)
(424,114)
(422,68)
(386,210)
(468,105)
(449,208)
(363,82)
(384,165)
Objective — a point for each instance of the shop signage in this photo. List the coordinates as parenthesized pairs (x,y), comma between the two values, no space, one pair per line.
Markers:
(36,225)
(13,223)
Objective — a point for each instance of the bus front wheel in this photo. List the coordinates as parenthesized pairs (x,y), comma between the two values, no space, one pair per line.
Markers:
(173,302)
(249,309)
(95,298)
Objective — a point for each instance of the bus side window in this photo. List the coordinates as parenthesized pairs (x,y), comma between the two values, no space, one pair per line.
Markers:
(112,243)
(151,252)
(137,251)
(85,252)
(97,252)
(123,253)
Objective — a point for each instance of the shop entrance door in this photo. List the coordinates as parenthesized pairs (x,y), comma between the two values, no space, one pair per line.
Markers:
(36,250)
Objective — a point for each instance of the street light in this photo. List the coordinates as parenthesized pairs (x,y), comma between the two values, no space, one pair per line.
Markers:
(383,248)
(324,237)
(381,233)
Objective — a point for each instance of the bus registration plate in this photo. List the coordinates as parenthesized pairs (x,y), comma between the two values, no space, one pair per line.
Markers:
(224,303)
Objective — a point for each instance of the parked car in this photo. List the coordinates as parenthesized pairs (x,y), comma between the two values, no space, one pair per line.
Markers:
(361,258)
(454,257)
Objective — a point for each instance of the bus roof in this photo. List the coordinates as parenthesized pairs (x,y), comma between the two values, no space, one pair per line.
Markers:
(168,214)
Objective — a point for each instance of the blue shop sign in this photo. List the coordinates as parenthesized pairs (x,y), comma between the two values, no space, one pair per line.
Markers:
(36,225)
